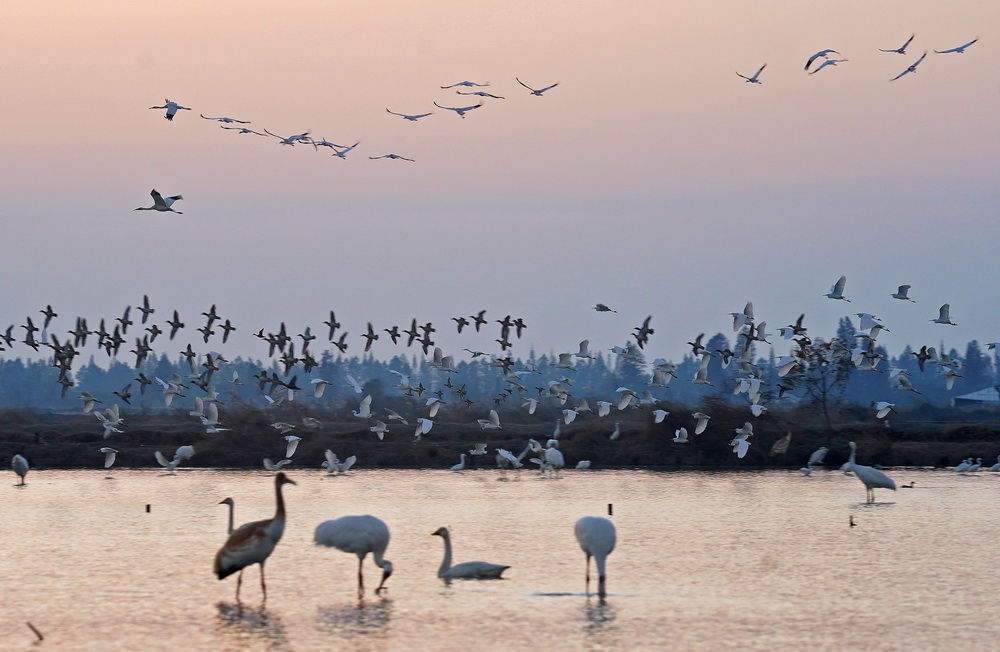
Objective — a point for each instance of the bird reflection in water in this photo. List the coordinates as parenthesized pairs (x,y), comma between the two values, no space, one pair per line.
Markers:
(363,619)
(599,619)
(246,627)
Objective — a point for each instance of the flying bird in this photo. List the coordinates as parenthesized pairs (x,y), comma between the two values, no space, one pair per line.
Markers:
(960,49)
(538,92)
(391,156)
(603,308)
(911,68)
(837,291)
(822,53)
(902,293)
(755,78)
(944,315)
(461,111)
(828,62)
(483,94)
(173,107)
(901,49)
(161,203)
(226,120)
(413,117)
(466,83)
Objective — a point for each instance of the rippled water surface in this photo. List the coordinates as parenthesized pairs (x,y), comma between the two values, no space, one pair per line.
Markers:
(705,561)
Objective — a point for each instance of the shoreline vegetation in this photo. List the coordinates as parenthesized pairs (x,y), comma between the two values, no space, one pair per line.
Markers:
(938,437)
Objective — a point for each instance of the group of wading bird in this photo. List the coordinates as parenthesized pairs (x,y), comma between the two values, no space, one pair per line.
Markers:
(165,204)
(275,390)
(252,543)
(823,59)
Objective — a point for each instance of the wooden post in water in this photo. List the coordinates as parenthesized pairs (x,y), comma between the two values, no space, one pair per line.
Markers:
(147,508)
(610,510)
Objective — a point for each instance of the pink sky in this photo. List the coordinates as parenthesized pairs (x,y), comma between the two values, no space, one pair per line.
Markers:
(652,178)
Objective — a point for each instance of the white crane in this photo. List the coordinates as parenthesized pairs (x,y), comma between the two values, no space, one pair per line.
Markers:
(911,68)
(755,78)
(411,117)
(596,536)
(828,62)
(20,466)
(226,120)
(359,535)
(391,156)
(537,92)
(902,48)
(173,107)
(461,111)
(871,478)
(469,570)
(466,84)
(960,49)
(252,543)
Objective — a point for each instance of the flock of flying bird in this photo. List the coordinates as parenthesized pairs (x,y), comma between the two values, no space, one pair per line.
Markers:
(276,389)
(823,59)
(171,108)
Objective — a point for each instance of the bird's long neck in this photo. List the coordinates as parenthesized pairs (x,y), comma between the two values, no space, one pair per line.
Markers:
(850,460)
(278,522)
(446,562)
(230,517)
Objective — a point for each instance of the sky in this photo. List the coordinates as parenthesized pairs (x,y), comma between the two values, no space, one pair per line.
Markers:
(651,179)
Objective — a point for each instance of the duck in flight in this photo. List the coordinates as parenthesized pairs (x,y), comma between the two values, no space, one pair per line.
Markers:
(902,48)
(537,91)
(172,108)
(161,203)
(755,78)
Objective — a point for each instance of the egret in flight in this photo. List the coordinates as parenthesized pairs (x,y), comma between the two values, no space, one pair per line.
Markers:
(755,78)
(161,203)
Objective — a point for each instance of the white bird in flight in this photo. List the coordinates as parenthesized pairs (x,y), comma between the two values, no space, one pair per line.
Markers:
(466,83)
(680,436)
(911,68)
(901,294)
(460,110)
(492,423)
(226,120)
(837,291)
(537,91)
(828,62)
(755,78)
(161,203)
(960,49)
(822,53)
(173,107)
(396,157)
(411,117)
(109,456)
(944,315)
(901,49)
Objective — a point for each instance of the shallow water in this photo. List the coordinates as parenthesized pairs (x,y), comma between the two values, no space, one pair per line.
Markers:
(752,560)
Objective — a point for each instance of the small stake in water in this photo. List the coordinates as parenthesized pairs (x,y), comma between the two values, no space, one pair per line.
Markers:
(609,509)
(147,508)
(37,633)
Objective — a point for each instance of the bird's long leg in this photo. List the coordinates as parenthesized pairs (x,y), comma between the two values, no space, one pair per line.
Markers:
(263,586)
(361,580)
(587,590)
(239,582)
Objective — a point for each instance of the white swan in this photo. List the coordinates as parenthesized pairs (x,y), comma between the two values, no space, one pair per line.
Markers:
(469,570)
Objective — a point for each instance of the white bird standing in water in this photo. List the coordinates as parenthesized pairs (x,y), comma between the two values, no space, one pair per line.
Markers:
(252,543)
(871,478)
(596,536)
(461,465)
(359,535)
(161,203)
(20,466)
(469,570)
